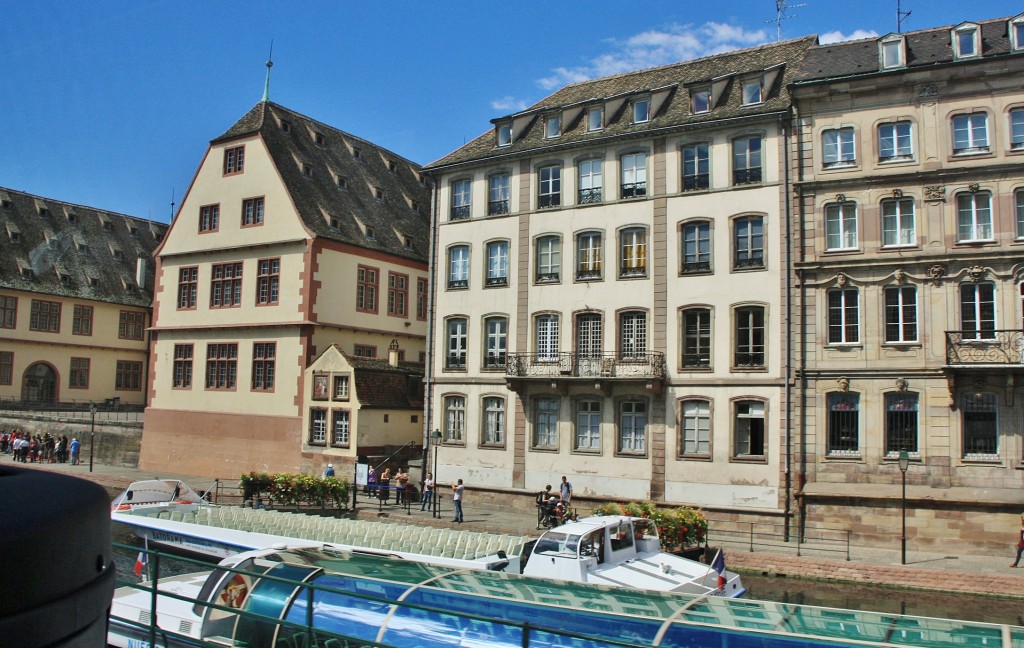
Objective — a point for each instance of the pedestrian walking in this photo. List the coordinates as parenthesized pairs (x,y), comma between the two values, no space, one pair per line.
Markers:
(428,492)
(329,471)
(75,447)
(1020,542)
(566,491)
(457,499)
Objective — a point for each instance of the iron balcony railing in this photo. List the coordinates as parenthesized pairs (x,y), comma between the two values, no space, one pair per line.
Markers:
(590,196)
(460,212)
(496,207)
(634,189)
(696,182)
(592,365)
(985,347)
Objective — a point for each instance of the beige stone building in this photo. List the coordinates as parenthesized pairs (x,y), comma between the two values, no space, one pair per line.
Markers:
(909,257)
(609,299)
(76,285)
(292,238)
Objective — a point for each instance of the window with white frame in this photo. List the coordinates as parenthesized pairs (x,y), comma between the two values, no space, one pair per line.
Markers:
(589,341)
(1017,129)
(895,143)
(1018,197)
(891,53)
(455,358)
(595,118)
(978,310)
(549,259)
(498,194)
(695,419)
(633,426)
(751,92)
(504,134)
(748,249)
(341,428)
(547,338)
(746,160)
(979,417)
(641,110)
(901,422)
(700,100)
(838,148)
(634,175)
(318,426)
(966,41)
(974,217)
(900,314)
(843,316)
(461,191)
(497,263)
(1016,29)
(590,182)
(588,425)
(696,167)
(552,126)
(970,134)
(843,424)
(458,267)
(494,421)
(545,423)
(550,187)
(696,247)
(898,225)
(588,255)
(841,226)
(495,342)
(696,338)
(455,419)
(633,252)
(749,436)
(633,335)
(749,338)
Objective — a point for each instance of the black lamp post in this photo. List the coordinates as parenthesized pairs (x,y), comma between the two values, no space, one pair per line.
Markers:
(92,431)
(435,438)
(904,462)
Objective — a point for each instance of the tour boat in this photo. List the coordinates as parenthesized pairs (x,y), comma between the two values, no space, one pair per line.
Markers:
(154,495)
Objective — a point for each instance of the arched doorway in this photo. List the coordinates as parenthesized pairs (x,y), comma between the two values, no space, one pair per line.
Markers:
(39,383)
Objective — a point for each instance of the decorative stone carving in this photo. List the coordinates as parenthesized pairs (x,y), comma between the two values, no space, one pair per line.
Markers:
(897,193)
(974,187)
(935,192)
(841,280)
(902,384)
(840,198)
(976,273)
(928,91)
(844,384)
(899,276)
(936,273)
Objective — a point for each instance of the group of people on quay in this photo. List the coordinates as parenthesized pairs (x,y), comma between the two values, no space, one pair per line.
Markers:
(45,448)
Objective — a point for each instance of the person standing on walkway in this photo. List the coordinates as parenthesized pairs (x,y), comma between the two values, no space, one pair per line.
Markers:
(428,492)
(329,471)
(566,491)
(1020,542)
(457,499)
(75,447)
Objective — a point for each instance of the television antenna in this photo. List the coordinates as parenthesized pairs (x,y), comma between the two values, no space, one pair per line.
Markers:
(781,7)
(900,16)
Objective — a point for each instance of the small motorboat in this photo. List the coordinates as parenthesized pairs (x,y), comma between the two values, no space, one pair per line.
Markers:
(153,495)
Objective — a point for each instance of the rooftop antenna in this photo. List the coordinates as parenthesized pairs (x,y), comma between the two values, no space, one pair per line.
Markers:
(900,17)
(270,64)
(172,203)
(780,14)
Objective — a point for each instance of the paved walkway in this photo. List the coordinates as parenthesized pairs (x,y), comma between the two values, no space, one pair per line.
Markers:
(975,574)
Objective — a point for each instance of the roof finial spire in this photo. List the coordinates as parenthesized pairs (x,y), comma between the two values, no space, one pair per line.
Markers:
(172,203)
(270,64)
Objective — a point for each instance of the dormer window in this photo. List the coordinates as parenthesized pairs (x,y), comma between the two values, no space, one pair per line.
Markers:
(1017,32)
(307,170)
(370,233)
(44,212)
(108,226)
(318,138)
(132,230)
(72,217)
(966,41)
(286,126)
(595,119)
(357,154)
(552,126)
(378,193)
(700,101)
(342,182)
(891,53)
(407,242)
(641,111)
(504,133)
(752,92)
(335,224)
(415,206)
(26,273)
(392,167)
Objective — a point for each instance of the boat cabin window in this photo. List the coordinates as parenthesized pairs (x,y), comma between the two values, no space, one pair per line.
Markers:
(557,542)
(622,536)
(593,545)
(645,530)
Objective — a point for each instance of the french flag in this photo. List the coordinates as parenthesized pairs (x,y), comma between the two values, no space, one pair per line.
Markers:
(143,560)
(718,564)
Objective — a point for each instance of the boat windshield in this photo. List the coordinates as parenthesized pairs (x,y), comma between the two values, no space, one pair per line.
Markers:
(645,529)
(558,542)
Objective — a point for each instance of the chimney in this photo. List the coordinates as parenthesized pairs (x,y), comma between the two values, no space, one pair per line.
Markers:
(393,353)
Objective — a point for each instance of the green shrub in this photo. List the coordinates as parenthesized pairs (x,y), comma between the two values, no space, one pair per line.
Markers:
(678,527)
(293,489)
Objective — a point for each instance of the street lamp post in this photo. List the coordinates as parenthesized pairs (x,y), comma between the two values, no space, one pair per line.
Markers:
(435,438)
(904,462)
(92,431)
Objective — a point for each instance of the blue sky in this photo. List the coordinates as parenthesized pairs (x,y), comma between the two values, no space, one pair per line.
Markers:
(111,104)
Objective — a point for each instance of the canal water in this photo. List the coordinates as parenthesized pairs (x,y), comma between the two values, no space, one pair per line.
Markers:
(768,588)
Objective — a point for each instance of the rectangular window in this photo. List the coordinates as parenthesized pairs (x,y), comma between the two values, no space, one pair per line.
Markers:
(456,344)
(461,192)
(226,285)
(1017,129)
(751,92)
(746,160)
(455,419)
(641,111)
(697,247)
(6,367)
(970,134)
(900,314)
(78,377)
(547,338)
(590,182)
(498,194)
(589,343)
(366,289)
(318,426)
(398,294)
(892,53)
(696,167)
(458,267)
(978,311)
(252,211)
(595,119)
(844,424)
(209,218)
(700,101)
(633,427)
(494,421)
(550,189)
(234,160)
(633,252)
(898,226)
(963,40)
(843,316)
(263,364)
(749,248)
(545,423)
(81,322)
(838,148)
(894,142)
(750,337)
(634,175)
(588,256)
(901,422)
(128,375)
(633,336)
(504,132)
(422,297)
(552,126)
(497,263)
(182,366)
(981,433)
(364,351)
(44,316)
(1018,197)
(974,217)
(841,226)
(696,428)
(496,341)
(697,338)
(749,429)
(588,425)
(268,281)
(221,366)
(340,435)
(9,310)
(340,388)
(131,325)
(188,283)
(549,259)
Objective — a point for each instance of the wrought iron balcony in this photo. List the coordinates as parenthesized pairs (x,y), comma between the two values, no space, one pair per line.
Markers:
(548,201)
(985,347)
(590,196)
(634,189)
(641,366)
(497,207)
(696,182)
(459,213)
(746,176)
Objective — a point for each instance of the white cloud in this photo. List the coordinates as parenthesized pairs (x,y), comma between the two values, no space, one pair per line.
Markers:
(509,104)
(838,36)
(658,47)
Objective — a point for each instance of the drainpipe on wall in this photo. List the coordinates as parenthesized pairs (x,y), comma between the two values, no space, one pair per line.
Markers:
(787,340)
(801,480)
(428,395)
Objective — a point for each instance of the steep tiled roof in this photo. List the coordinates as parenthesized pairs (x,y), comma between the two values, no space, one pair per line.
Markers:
(381,187)
(670,80)
(379,385)
(924,48)
(62,249)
